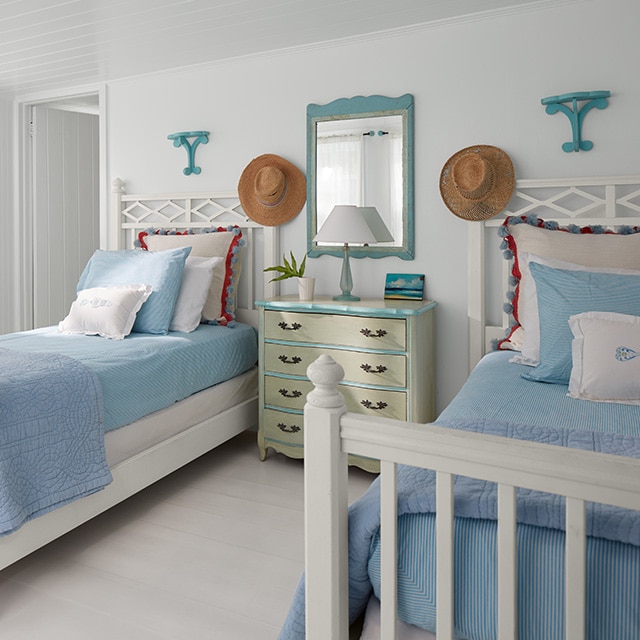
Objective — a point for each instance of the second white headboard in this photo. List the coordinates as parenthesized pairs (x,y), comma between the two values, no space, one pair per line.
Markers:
(607,201)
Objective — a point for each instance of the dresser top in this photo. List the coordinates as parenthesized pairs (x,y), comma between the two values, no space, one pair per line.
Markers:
(366,307)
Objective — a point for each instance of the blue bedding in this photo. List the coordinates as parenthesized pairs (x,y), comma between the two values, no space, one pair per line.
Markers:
(51,435)
(613,592)
(59,394)
(144,373)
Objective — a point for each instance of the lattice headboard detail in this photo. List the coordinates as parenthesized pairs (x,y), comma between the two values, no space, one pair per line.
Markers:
(607,201)
(135,213)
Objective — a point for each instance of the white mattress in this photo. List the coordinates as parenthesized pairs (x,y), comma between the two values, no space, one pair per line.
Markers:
(157,427)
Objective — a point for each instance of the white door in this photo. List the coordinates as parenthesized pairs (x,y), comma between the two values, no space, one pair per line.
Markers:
(66,220)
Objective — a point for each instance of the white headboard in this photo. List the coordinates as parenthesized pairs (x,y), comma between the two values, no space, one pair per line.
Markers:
(607,201)
(135,213)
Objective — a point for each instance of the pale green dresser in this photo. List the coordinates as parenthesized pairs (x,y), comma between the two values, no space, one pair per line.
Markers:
(386,348)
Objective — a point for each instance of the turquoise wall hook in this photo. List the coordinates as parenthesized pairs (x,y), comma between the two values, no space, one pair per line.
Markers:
(591,99)
(181,139)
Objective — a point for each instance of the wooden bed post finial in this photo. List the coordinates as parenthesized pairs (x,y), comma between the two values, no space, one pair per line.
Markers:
(326,374)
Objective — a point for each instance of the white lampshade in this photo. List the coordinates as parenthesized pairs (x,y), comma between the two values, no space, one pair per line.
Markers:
(348,224)
(376,224)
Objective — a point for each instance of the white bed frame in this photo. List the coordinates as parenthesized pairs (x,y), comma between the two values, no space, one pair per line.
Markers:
(133,213)
(331,434)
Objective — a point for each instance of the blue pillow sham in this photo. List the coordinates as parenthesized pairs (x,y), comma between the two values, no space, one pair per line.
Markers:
(563,293)
(160,269)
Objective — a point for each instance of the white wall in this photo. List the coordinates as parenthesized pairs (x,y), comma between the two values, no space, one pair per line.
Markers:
(474,82)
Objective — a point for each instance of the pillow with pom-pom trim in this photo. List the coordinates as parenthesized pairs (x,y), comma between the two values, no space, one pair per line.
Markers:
(587,246)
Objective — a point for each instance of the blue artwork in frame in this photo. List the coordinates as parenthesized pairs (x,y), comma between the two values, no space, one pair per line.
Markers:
(404,286)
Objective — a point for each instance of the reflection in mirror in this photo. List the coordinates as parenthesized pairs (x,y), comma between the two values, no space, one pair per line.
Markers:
(360,152)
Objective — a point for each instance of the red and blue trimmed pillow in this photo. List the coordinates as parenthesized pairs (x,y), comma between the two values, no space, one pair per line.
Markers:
(224,242)
(528,237)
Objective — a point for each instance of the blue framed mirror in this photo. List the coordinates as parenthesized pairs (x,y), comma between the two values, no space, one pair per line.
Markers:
(360,152)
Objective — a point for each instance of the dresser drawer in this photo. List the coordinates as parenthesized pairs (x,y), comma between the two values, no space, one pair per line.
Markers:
(374,402)
(384,370)
(289,393)
(351,331)
(283,427)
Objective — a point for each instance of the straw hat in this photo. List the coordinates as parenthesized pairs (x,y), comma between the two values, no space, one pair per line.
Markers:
(272,190)
(477,182)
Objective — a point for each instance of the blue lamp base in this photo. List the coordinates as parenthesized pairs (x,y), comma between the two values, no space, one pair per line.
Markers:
(346,281)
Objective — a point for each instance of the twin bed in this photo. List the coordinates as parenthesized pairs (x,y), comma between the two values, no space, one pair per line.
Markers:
(516,513)
(89,421)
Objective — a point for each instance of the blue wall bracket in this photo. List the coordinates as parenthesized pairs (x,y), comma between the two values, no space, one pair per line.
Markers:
(181,139)
(591,99)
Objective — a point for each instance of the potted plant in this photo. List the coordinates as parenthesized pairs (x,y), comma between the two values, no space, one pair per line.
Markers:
(291,269)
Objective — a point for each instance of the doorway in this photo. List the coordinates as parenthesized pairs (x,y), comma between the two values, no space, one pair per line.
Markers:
(62,198)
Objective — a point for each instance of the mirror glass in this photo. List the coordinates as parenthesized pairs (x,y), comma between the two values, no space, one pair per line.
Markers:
(360,152)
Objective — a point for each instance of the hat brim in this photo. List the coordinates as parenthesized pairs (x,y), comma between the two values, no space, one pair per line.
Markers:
(495,201)
(291,204)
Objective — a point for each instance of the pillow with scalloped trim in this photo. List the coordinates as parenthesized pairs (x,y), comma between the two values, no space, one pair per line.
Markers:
(223,242)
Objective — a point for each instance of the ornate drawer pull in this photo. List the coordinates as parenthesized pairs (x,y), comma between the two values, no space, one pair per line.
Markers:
(294,428)
(285,326)
(290,394)
(376,407)
(371,369)
(291,360)
(378,333)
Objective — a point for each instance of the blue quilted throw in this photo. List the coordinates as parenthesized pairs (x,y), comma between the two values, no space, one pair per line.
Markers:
(51,435)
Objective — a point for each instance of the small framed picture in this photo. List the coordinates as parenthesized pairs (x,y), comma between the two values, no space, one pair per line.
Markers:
(404,286)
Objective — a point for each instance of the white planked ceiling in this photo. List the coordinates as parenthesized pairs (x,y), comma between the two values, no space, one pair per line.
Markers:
(47,45)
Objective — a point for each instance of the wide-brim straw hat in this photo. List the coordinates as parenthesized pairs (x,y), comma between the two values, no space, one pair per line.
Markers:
(476,183)
(272,190)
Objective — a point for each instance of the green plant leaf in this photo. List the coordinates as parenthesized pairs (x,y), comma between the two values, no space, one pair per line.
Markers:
(288,268)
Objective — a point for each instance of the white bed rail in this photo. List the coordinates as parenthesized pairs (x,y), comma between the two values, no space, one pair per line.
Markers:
(331,433)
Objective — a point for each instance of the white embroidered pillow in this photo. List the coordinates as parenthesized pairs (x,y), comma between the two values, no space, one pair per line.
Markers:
(606,357)
(105,311)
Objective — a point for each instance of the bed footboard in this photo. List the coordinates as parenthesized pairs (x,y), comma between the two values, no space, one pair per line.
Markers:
(331,434)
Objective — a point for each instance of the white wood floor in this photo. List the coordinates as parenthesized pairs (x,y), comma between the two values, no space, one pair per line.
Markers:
(214,551)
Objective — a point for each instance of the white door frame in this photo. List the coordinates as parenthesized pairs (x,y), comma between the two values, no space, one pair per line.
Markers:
(23,193)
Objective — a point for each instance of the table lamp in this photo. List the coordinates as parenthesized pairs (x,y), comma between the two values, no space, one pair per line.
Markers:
(348,224)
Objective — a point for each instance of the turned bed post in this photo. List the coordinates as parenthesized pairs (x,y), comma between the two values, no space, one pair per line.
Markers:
(325,498)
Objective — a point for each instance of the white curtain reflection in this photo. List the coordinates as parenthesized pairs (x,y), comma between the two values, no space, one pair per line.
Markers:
(339,173)
(394,223)
(363,170)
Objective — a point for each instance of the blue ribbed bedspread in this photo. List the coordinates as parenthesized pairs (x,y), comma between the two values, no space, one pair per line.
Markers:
(498,401)
(51,435)
(144,373)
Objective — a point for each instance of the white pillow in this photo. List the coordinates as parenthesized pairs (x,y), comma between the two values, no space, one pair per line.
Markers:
(196,280)
(606,357)
(105,311)
(528,301)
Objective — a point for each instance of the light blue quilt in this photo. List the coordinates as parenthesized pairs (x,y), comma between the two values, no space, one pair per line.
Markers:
(145,372)
(613,546)
(51,435)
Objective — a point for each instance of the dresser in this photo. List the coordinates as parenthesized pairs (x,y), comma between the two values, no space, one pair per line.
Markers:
(385,347)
